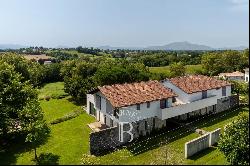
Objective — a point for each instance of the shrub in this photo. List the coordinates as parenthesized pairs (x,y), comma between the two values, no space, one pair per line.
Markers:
(67,117)
(47,98)
(47,159)
(234,142)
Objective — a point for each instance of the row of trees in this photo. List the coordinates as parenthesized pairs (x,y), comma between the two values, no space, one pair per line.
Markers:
(81,76)
(20,113)
(214,63)
(163,58)
(31,71)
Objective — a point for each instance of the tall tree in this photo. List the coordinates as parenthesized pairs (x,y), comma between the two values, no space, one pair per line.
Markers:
(177,69)
(234,142)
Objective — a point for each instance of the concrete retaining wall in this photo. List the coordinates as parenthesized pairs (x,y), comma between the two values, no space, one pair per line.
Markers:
(198,144)
(214,136)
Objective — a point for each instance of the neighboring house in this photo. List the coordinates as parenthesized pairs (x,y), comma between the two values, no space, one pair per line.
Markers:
(47,62)
(151,103)
(37,58)
(232,76)
(246,75)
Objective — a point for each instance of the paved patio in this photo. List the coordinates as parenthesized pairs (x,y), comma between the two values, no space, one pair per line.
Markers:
(97,126)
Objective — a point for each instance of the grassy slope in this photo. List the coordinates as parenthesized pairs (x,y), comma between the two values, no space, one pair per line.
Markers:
(175,149)
(69,140)
(165,69)
(52,89)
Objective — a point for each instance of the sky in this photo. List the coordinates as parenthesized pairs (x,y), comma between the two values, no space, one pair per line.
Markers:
(128,23)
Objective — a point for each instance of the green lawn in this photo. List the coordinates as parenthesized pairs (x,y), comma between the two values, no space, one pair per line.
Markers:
(174,150)
(191,69)
(52,89)
(70,140)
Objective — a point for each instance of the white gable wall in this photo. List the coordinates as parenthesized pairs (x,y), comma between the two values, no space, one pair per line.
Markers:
(187,98)
(130,114)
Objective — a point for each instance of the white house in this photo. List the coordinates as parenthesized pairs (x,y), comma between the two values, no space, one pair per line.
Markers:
(232,76)
(246,75)
(135,101)
(170,98)
(195,93)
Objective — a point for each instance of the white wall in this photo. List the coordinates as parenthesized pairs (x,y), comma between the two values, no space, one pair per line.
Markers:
(130,113)
(247,76)
(186,108)
(187,98)
(90,98)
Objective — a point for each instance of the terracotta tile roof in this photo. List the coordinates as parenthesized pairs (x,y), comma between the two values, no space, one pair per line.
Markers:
(121,95)
(233,74)
(197,83)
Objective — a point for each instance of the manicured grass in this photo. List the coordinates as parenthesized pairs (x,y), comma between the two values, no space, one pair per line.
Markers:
(56,108)
(224,119)
(191,69)
(173,150)
(52,90)
(70,140)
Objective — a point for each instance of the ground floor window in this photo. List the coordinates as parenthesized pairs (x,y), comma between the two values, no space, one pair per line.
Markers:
(92,109)
(111,123)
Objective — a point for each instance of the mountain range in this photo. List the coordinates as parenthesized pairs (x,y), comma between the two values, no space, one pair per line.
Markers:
(175,46)
(171,46)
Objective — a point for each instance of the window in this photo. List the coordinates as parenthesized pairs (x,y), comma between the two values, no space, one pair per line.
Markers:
(116,112)
(138,107)
(204,94)
(148,104)
(224,91)
(153,123)
(166,103)
(163,103)
(98,102)
(146,125)
(111,122)
(92,109)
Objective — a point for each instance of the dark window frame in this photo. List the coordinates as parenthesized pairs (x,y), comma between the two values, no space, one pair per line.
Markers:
(204,94)
(98,97)
(148,104)
(138,107)
(224,91)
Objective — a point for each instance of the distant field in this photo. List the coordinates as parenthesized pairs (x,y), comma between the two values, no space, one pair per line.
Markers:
(79,54)
(191,69)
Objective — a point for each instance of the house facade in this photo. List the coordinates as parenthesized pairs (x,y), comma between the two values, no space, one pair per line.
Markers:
(232,76)
(246,75)
(150,104)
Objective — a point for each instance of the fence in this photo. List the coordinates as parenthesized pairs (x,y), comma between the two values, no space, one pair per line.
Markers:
(198,144)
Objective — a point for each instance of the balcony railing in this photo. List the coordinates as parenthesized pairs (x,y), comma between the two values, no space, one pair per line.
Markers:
(187,107)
